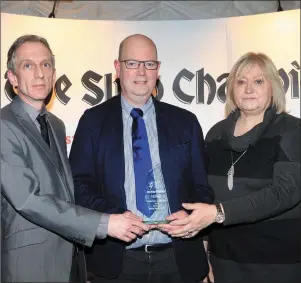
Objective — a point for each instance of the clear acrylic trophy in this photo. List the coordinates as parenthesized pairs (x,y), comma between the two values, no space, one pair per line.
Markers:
(156,197)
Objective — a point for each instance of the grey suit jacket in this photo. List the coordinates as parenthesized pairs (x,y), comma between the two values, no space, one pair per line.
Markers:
(39,218)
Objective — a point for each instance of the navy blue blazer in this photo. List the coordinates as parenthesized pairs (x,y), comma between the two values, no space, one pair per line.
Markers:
(97,164)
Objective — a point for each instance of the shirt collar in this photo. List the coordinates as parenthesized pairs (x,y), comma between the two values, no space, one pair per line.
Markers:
(33,112)
(127,107)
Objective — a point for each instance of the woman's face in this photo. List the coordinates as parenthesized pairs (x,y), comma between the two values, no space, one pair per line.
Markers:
(252,91)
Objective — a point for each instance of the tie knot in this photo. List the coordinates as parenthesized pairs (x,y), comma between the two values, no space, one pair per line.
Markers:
(41,119)
(136,112)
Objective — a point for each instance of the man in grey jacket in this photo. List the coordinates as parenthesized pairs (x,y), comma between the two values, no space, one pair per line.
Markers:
(40,221)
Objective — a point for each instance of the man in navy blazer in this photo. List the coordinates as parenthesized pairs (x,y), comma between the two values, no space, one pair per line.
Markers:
(101,160)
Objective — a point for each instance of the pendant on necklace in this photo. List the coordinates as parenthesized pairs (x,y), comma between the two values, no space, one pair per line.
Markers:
(230,177)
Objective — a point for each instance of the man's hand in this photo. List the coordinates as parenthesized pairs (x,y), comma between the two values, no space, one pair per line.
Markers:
(126,226)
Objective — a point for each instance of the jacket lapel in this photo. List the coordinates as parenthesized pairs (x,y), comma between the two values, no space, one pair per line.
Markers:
(166,142)
(59,138)
(29,126)
(115,143)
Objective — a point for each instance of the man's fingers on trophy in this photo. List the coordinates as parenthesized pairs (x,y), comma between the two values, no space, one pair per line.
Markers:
(137,231)
(140,225)
(123,237)
(129,214)
(163,227)
(131,235)
(153,226)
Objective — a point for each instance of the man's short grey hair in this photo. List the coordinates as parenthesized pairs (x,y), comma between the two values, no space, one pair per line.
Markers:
(11,55)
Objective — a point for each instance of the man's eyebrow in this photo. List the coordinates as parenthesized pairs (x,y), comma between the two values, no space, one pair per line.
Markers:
(30,60)
(24,60)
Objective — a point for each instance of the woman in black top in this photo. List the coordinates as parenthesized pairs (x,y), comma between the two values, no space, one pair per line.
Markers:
(254,170)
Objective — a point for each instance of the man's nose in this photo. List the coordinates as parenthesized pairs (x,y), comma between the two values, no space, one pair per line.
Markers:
(39,72)
(141,69)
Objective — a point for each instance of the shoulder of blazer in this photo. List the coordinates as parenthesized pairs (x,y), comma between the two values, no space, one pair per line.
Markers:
(11,113)
(110,104)
(95,115)
(8,118)
(172,110)
(174,118)
(56,119)
(107,113)
(6,112)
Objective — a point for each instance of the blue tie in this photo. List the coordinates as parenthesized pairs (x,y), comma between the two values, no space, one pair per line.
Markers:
(144,179)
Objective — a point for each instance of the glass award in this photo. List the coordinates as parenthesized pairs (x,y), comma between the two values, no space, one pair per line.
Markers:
(156,197)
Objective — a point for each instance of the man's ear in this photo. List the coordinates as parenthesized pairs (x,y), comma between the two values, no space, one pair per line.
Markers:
(12,77)
(117,67)
(158,76)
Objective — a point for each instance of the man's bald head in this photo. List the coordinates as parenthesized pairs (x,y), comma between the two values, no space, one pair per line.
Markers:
(137,84)
(132,39)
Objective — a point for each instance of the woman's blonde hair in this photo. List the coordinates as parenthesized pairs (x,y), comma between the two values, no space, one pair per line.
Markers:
(269,71)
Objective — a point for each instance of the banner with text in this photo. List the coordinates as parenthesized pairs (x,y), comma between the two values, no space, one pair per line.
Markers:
(196,57)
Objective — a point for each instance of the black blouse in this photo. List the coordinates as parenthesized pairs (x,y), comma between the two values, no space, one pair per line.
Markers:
(262,210)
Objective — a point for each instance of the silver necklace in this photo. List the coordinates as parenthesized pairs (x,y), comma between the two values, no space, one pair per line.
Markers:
(231,170)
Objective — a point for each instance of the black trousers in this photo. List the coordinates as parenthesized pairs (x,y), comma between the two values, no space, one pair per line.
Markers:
(146,267)
(78,268)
